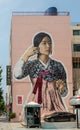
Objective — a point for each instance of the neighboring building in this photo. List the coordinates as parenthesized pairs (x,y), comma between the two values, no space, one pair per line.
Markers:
(76,57)
(23,28)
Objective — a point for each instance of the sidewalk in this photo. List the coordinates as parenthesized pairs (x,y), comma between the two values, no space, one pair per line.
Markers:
(47,125)
(10,125)
(44,126)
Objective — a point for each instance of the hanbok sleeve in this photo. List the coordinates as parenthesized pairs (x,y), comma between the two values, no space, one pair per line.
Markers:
(21,69)
(62,76)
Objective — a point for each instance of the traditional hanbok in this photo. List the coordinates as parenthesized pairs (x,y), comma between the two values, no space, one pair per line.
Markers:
(43,78)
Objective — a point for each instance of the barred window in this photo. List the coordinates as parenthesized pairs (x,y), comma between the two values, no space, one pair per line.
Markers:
(76,62)
(76,47)
(76,32)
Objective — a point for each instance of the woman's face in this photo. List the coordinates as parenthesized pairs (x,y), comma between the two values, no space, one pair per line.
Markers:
(45,47)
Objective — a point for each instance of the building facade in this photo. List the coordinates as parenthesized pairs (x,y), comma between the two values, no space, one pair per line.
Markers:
(76,57)
(23,29)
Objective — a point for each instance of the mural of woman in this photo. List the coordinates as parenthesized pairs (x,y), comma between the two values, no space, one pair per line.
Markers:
(47,75)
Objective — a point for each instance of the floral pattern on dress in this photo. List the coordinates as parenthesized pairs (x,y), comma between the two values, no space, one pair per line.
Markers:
(56,69)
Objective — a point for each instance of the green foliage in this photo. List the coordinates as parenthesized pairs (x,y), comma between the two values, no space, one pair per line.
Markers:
(12,115)
(0,75)
(2,103)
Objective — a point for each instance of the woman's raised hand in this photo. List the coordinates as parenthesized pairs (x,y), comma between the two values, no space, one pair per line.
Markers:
(30,52)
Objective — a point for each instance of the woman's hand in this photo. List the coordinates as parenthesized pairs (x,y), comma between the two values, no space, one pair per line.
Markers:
(30,52)
(60,85)
(33,98)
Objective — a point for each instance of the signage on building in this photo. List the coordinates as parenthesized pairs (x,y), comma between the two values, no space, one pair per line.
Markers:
(19,100)
(8,74)
(8,106)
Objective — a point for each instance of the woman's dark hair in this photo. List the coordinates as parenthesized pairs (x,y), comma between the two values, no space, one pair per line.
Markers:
(38,38)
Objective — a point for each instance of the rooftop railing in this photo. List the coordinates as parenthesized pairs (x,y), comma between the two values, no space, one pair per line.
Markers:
(40,14)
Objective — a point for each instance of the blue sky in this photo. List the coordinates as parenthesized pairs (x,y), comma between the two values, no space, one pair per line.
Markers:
(9,6)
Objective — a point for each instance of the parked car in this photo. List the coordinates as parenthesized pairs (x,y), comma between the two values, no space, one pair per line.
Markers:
(75,100)
(60,116)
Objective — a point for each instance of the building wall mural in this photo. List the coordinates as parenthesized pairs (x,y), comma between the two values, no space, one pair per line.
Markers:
(41,62)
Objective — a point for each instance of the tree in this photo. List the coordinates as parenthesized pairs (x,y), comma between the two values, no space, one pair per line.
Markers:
(0,75)
(2,103)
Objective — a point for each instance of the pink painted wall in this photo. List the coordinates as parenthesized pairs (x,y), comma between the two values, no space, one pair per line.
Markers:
(23,29)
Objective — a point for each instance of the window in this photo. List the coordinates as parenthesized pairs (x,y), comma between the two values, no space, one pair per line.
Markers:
(76,62)
(76,32)
(76,47)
